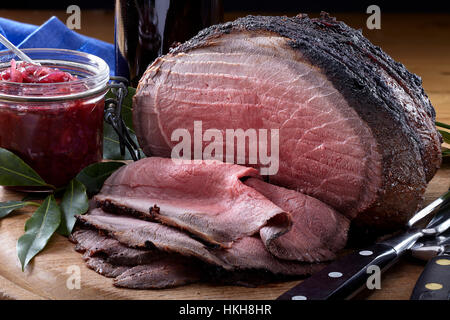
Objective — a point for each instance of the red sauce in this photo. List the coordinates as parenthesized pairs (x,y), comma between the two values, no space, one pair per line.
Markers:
(30,73)
(56,138)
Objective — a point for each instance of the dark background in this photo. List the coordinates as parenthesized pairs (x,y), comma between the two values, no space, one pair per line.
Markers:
(257,5)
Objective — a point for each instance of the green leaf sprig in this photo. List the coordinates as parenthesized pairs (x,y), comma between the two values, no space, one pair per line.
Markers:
(38,230)
(15,172)
(93,176)
(74,202)
(10,206)
(445,136)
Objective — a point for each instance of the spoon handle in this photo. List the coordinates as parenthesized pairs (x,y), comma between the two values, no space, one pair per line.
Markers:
(17,51)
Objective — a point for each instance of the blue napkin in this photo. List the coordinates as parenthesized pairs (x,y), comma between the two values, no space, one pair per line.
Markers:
(54,34)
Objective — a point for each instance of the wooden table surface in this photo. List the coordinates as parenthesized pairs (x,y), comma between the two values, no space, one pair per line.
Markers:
(420,41)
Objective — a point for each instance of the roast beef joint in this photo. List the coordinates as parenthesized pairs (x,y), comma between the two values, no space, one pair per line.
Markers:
(349,139)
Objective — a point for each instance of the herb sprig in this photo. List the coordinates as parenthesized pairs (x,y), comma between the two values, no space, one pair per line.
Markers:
(445,136)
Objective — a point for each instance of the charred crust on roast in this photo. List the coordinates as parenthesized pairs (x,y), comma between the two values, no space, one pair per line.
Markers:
(115,208)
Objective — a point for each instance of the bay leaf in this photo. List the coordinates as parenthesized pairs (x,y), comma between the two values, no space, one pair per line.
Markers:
(445,136)
(74,202)
(38,230)
(111,144)
(93,176)
(15,172)
(442,125)
(10,206)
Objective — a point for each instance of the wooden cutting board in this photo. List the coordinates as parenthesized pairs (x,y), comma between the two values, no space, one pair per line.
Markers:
(47,276)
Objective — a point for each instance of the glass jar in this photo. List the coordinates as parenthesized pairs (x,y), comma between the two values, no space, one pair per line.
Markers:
(56,128)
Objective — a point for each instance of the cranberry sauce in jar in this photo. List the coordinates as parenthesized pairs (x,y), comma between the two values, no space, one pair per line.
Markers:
(52,115)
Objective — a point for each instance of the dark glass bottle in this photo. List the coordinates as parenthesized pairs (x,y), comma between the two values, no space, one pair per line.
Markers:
(146,29)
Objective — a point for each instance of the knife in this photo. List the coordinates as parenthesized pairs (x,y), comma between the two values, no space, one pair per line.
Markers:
(434,282)
(345,277)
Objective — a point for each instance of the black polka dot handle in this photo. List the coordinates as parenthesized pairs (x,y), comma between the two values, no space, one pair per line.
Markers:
(434,282)
(345,277)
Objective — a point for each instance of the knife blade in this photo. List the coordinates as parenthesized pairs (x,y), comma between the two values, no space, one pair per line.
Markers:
(434,282)
(345,277)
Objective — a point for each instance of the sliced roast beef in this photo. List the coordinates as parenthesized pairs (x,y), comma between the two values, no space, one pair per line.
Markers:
(319,230)
(152,269)
(112,251)
(164,273)
(207,199)
(356,129)
(317,233)
(137,233)
(134,268)
(104,268)
(248,253)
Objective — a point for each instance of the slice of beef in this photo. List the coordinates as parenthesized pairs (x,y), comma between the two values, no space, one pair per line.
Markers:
(94,244)
(164,273)
(356,129)
(251,254)
(138,233)
(104,268)
(207,199)
(317,233)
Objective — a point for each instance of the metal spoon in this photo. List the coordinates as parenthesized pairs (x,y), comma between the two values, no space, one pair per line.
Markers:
(16,50)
